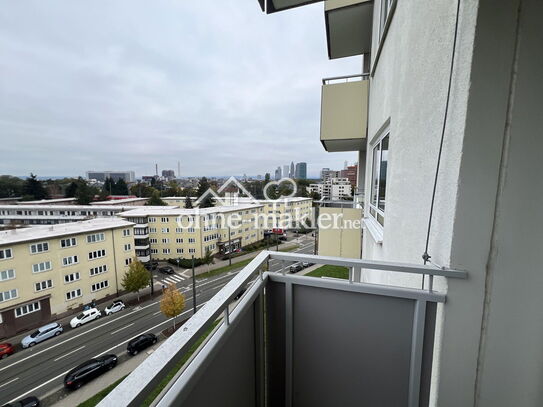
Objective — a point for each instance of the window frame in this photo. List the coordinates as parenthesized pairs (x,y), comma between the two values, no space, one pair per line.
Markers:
(374,211)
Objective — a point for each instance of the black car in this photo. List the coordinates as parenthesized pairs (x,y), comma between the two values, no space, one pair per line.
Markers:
(166,270)
(26,402)
(89,370)
(295,268)
(140,343)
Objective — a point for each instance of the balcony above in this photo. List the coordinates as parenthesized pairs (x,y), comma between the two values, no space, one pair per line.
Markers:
(273,6)
(344,113)
(348,27)
(345,238)
(299,341)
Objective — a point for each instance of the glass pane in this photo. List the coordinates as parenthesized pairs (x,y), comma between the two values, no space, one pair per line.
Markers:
(383,173)
(375,175)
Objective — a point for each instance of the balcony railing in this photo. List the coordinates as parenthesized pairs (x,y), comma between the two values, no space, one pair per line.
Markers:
(294,340)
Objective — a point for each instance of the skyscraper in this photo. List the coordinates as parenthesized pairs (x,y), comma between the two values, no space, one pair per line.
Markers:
(285,173)
(301,171)
(278,173)
(291,173)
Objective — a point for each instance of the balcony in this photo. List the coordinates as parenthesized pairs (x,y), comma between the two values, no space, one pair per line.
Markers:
(300,341)
(348,27)
(273,6)
(344,113)
(343,239)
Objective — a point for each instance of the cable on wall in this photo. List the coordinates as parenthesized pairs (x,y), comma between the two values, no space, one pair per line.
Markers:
(426,256)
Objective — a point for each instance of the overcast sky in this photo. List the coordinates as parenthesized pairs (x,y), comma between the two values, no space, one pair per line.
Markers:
(122,85)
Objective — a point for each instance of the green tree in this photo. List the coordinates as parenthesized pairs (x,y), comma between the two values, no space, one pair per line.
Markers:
(120,187)
(155,200)
(108,186)
(315,196)
(71,190)
(208,259)
(33,189)
(267,178)
(10,186)
(136,278)
(172,302)
(84,193)
(188,203)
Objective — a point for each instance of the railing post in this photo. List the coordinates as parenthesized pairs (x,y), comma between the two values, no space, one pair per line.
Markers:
(288,344)
(227,314)
(351,272)
(260,350)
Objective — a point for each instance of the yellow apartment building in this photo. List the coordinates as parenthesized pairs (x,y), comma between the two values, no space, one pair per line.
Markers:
(166,233)
(49,270)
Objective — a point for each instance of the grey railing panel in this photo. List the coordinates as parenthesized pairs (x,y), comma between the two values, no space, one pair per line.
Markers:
(350,349)
(229,378)
(275,344)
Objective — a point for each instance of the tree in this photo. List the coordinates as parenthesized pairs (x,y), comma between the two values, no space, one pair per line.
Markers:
(120,187)
(172,302)
(188,203)
(142,190)
(71,190)
(155,200)
(108,186)
(267,178)
(315,196)
(208,259)
(84,193)
(136,278)
(10,186)
(172,189)
(33,189)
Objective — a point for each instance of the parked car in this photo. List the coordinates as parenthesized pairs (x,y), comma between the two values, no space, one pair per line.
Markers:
(89,370)
(283,237)
(26,402)
(84,317)
(166,270)
(114,307)
(140,343)
(41,334)
(306,264)
(6,349)
(295,268)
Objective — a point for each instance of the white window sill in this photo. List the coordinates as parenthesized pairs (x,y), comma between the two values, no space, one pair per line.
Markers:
(375,229)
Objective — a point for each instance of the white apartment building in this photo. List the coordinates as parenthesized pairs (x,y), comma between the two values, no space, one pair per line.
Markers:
(446,116)
(333,189)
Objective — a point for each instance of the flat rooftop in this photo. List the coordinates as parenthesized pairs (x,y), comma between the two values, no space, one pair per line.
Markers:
(118,208)
(64,229)
(163,210)
(119,202)
(46,201)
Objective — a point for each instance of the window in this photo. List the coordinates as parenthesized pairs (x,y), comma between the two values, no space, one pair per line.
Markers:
(154,251)
(98,270)
(41,267)
(165,251)
(152,240)
(39,247)
(100,286)
(152,230)
(128,261)
(127,247)
(27,309)
(178,230)
(179,240)
(7,275)
(192,240)
(44,285)
(70,295)
(97,254)
(378,180)
(8,295)
(165,230)
(6,254)
(191,230)
(164,220)
(97,237)
(66,261)
(126,232)
(179,251)
(68,242)
(152,220)
(192,250)
(386,6)
(165,240)
(70,278)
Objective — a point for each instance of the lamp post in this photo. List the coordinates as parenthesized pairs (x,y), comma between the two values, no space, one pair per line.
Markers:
(229,248)
(193,288)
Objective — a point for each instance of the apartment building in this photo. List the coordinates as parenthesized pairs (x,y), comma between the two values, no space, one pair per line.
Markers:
(179,201)
(333,189)
(29,215)
(46,271)
(122,201)
(163,233)
(284,213)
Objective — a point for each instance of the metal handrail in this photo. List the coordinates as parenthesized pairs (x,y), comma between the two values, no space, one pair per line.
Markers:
(362,76)
(133,390)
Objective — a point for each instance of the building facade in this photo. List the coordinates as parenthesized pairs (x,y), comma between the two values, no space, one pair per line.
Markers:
(333,189)
(46,271)
(182,233)
(300,171)
(127,176)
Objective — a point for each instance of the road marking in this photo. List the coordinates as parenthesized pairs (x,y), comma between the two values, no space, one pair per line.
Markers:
(69,353)
(136,309)
(120,329)
(37,387)
(11,381)
(158,312)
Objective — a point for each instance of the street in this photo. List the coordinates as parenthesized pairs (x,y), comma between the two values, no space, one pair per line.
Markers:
(38,370)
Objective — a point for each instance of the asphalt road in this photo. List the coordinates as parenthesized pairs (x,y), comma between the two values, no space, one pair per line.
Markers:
(38,370)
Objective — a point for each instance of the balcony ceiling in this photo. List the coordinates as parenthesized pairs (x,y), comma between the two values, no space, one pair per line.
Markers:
(273,6)
(348,27)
